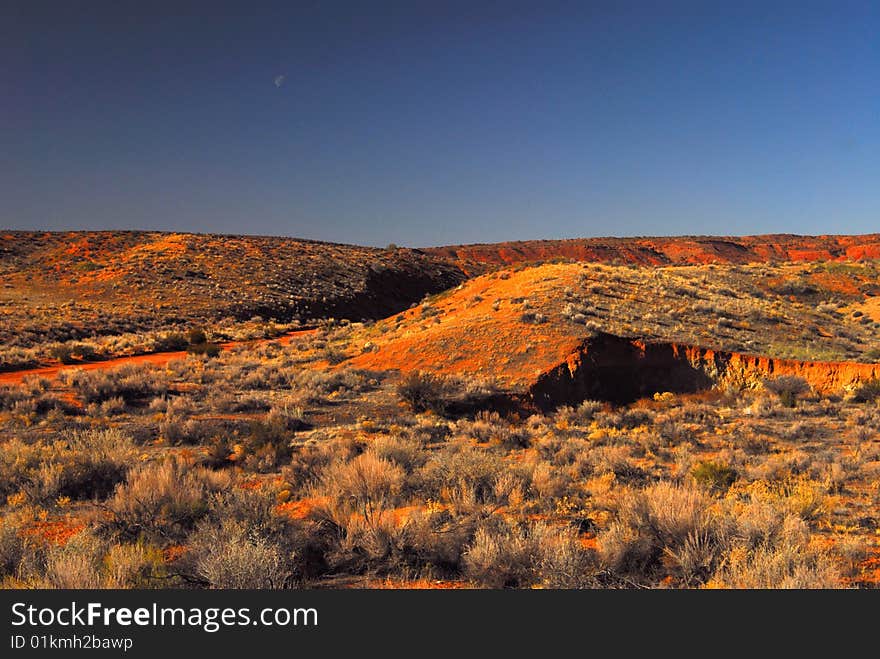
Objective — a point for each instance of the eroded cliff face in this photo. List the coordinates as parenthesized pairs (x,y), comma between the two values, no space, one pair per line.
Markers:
(622,370)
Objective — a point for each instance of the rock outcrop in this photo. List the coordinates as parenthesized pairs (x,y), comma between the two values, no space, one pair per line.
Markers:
(620,370)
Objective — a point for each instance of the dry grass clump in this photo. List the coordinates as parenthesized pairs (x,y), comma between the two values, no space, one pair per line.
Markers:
(163,500)
(664,521)
(242,543)
(81,465)
(507,556)
(131,382)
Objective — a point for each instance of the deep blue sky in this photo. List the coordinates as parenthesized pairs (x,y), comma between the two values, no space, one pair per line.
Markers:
(426,123)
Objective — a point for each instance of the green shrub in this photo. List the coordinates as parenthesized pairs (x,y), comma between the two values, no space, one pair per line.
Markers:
(714,475)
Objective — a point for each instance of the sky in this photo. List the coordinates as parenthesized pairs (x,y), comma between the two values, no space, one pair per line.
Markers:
(428,123)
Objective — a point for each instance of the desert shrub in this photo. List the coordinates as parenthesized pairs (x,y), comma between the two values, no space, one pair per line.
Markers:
(171,342)
(424,391)
(781,558)
(795,288)
(110,407)
(533,317)
(134,565)
(434,541)
(245,403)
(316,385)
(83,465)
(715,476)
(10,396)
(79,476)
(177,430)
(664,520)
(359,497)
(587,410)
(196,336)
(88,561)
(867,391)
(229,554)
(205,349)
(163,500)
(76,564)
(562,561)
(268,442)
(291,417)
(364,485)
(801,430)
(35,384)
(787,388)
(793,495)
(19,462)
(786,566)
(13,358)
(11,542)
(611,459)
(468,472)
(502,556)
(131,382)
(49,402)
(70,353)
(406,452)
(335,355)
(623,420)
(306,463)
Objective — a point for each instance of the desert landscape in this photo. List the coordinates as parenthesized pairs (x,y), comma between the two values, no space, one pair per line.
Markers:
(184,410)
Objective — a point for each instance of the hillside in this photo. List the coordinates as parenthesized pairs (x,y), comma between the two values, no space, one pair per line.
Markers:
(61,286)
(665,250)
(566,415)
(518,326)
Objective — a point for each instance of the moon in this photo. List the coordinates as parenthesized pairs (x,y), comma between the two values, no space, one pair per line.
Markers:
(279,80)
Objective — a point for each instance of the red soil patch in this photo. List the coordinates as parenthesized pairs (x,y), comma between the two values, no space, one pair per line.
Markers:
(301,508)
(835,283)
(419,584)
(589,542)
(868,571)
(871,308)
(173,553)
(54,532)
(479,333)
